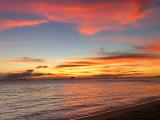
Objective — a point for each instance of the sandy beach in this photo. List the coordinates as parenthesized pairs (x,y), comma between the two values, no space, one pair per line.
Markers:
(145,111)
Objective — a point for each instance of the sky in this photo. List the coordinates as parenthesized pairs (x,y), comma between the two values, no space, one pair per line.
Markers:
(79,38)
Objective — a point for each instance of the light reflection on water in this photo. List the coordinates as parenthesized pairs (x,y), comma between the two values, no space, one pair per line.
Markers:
(65,99)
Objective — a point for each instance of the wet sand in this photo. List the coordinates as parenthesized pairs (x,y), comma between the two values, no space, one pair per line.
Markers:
(144,111)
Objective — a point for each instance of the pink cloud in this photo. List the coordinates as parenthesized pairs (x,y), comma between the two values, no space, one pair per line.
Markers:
(7,24)
(153,47)
(88,18)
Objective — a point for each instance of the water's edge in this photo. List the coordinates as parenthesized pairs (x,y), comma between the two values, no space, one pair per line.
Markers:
(137,103)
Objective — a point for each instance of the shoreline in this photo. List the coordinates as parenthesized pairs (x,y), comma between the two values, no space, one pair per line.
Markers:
(144,111)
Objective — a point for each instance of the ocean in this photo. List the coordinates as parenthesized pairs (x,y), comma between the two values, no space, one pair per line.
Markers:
(66,99)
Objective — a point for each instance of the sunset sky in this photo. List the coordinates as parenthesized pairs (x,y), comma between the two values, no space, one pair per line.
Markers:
(79,38)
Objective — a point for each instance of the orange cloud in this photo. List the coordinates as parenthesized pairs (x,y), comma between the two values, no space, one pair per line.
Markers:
(89,18)
(128,58)
(124,65)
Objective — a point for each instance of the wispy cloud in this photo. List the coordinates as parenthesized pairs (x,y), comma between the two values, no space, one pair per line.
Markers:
(88,17)
(149,49)
(27,60)
(7,24)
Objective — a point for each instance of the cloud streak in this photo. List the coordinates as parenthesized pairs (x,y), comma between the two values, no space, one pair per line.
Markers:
(75,64)
(27,60)
(112,64)
(7,24)
(28,74)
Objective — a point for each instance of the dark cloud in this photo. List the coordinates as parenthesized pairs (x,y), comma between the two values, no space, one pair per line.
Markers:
(102,52)
(126,57)
(75,64)
(137,51)
(27,59)
(135,55)
(109,58)
(67,66)
(24,75)
(38,67)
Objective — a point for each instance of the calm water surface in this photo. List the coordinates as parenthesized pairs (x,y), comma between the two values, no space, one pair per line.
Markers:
(64,99)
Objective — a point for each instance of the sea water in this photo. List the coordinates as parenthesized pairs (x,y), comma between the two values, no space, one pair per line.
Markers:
(65,99)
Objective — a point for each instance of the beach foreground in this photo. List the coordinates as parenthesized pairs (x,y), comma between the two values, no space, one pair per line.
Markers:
(146,111)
